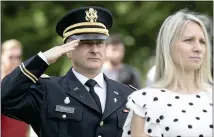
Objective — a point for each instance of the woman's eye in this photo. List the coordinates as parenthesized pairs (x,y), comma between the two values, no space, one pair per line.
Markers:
(188,39)
(202,42)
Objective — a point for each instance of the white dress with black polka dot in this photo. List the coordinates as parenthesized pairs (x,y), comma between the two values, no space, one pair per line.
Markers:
(171,114)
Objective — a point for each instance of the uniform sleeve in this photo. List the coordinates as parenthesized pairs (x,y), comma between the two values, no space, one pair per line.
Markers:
(141,102)
(41,55)
(22,92)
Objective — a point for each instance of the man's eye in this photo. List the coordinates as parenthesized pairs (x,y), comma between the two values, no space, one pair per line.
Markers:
(85,42)
(100,42)
(91,42)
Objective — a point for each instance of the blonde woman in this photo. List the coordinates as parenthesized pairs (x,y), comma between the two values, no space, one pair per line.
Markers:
(179,102)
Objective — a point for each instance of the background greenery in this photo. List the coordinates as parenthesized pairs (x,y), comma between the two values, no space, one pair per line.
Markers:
(33,23)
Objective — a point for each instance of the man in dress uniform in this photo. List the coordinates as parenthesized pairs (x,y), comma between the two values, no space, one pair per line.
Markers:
(84,102)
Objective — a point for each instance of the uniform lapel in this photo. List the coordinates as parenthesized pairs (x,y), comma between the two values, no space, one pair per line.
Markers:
(115,98)
(79,92)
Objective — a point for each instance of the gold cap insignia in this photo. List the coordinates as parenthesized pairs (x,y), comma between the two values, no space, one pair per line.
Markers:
(91,15)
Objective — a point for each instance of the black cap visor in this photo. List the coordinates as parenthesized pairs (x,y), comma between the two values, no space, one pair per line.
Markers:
(94,36)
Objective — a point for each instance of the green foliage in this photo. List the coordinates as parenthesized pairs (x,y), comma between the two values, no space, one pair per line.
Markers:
(33,23)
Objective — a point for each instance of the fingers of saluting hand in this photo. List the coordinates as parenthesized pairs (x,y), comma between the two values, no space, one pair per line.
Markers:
(71,43)
(70,46)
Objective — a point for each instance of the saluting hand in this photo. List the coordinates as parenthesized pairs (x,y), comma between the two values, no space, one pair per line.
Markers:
(56,52)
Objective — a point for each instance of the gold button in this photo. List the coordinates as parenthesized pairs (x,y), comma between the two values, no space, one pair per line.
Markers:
(101,123)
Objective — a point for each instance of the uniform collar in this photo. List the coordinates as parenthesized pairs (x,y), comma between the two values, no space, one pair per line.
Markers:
(83,79)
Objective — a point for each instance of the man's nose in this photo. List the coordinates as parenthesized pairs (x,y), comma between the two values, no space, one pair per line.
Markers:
(95,47)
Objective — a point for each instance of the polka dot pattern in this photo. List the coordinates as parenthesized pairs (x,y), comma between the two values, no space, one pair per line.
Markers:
(167,111)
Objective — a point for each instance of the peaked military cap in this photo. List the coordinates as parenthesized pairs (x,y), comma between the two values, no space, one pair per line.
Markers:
(85,23)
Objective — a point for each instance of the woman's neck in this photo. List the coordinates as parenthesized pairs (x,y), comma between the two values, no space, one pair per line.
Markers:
(185,81)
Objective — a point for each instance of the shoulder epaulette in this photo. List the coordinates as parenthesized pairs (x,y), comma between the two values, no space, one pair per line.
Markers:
(132,87)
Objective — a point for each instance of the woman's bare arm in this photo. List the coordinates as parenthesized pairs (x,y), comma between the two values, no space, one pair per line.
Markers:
(137,126)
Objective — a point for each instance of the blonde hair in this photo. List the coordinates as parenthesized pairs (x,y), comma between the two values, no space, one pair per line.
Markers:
(11,43)
(171,31)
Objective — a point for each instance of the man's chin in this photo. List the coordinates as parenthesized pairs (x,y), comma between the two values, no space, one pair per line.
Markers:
(115,62)
(95,67)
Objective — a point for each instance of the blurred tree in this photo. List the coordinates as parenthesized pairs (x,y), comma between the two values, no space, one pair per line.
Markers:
(33,23)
